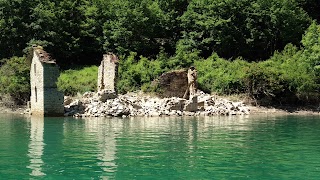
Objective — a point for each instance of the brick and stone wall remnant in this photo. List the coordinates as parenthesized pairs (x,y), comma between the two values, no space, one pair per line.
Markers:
(45,99)
(172,84)
(107,73)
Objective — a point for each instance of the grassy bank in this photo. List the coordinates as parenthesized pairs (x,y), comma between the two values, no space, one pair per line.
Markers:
(78,80)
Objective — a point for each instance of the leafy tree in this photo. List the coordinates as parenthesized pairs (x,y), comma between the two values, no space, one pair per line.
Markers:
(251,29)
(310,58)
(312,8)
(64,26)
(143,26)
(14,31)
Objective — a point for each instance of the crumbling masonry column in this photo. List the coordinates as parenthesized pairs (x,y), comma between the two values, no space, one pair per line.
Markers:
(192,103)
(45,98)
(107,73)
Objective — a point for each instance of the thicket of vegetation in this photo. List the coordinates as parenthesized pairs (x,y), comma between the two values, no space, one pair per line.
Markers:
(15,79)
(268,49)
(289,76)
(82,80)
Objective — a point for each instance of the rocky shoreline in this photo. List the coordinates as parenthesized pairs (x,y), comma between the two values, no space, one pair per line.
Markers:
(105,104)
(108,104)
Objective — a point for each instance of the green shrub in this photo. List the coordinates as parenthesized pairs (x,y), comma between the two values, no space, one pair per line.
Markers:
(72,82)
(220,75)
(263,80)
(290,74)
(15,79)
(137,72)
(310,59)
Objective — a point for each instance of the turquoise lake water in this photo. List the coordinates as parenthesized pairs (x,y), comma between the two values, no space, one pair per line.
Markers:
(237,147)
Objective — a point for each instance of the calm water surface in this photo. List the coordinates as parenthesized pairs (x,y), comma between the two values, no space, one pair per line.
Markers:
(253,147)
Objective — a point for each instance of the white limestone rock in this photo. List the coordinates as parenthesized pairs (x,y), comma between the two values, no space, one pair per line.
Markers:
(135,105)
(103,95)
(67,100)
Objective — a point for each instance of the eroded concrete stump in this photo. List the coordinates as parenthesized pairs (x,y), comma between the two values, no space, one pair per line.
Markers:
(45,98)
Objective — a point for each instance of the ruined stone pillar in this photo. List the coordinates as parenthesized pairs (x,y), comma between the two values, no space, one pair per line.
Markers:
(45,98)
(192,80)
(192,104)
(107,73)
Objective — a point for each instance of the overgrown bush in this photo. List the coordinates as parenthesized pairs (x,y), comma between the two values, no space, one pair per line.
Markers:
(135,72)
(82,80)
(289,76)
(264,82)
(15,79)
(220,75)
(309,60)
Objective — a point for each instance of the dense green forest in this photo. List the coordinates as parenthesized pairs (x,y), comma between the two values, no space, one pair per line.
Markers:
(267,49)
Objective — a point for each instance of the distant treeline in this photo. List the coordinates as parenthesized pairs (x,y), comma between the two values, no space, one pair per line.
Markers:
(79,31)
(269,49)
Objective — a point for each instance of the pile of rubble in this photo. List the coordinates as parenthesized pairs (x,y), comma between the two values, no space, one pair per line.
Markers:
(106,103)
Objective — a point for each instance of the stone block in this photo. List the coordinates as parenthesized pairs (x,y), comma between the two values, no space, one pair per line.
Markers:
(104,95)
(176,104)
(67,100)
(192,104)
